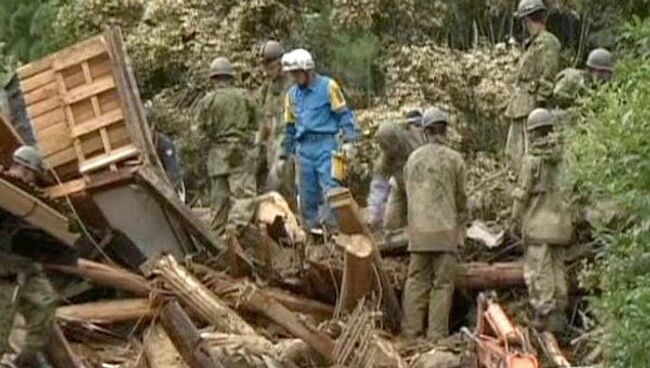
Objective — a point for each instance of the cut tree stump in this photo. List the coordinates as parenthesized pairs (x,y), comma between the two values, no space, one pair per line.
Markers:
(358,273)
(199,298)
(110,311)
(351,222)
(185,337)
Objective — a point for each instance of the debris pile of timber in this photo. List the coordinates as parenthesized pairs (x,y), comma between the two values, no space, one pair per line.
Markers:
(160,290)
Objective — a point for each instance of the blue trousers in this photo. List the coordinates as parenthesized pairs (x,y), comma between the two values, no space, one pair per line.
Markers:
(315,177)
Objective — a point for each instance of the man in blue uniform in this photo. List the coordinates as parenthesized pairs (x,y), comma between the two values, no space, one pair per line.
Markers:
(315,112)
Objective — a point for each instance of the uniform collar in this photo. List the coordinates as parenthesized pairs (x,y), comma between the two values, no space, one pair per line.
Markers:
(313,83)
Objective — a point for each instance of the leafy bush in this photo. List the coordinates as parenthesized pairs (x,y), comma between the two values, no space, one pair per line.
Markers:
(611,148)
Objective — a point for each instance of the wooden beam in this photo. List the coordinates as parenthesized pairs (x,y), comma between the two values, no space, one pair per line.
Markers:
(185,337)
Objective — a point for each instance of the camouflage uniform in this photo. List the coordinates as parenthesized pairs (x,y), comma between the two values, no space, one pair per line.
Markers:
(24,288)
(547,229)
(228,122)
(435,184)
(272,176)
(534,86)
(396,143)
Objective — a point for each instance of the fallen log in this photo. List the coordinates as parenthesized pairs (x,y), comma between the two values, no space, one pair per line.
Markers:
(351,222)
(482,276)
(358,272)
(107,275)
(199,298)
(185,337)
(109,311)
(160,350)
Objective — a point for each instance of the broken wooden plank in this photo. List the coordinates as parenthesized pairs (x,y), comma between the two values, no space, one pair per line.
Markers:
(199,298)
(358,272)
(320,311)
(185,337)
(160,350)
(109,311)
(102,161)
(351,222)
(36,213)
(10,140)
(553,351)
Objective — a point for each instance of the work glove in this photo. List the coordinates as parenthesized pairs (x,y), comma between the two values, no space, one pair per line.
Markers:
(349,150)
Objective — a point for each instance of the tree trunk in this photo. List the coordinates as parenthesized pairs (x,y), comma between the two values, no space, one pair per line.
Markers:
(358,272)
(185,337)
(350,222)
(109,311)
(481,276)
(112,276)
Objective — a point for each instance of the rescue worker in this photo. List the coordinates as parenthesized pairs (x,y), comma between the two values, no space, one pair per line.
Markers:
(387,199)
(571,83)
(24,288)
(315,112)
(536,71)
(275,174)
(541,206)
(437,213)
(228,121)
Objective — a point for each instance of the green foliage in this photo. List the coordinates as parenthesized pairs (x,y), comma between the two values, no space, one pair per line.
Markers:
(611,151)
(354,60)
(25,26)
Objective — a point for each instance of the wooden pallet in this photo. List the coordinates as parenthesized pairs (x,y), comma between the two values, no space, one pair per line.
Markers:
(85,109)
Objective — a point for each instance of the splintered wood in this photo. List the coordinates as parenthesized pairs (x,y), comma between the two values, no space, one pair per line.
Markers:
(199,298)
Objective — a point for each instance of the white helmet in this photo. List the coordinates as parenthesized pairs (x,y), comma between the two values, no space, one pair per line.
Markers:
(298,59)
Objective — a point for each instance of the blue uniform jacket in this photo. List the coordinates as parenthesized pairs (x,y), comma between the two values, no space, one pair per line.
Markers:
(319,108)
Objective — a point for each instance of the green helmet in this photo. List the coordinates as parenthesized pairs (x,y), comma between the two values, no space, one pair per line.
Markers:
(600,59)
(221,66)
(272,50)
(434,115)
(528,7)
(540,118)
(29,157)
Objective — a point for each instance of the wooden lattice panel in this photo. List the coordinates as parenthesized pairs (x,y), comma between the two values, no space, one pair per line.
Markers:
(76,108)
